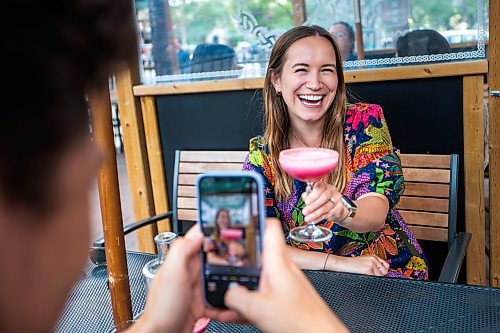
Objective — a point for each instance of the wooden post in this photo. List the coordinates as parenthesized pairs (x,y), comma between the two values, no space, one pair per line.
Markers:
(360,46)
(135,151)
(474,178)
(494,142)
(299,12)
(136,158)
(155,158)
(111,212)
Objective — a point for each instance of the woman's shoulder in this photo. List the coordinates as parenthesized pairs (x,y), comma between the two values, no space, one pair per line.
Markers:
(257,145)
(360,115)
(363,108)
(256,142)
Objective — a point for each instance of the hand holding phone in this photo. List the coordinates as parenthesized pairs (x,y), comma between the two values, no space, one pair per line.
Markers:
(231,218)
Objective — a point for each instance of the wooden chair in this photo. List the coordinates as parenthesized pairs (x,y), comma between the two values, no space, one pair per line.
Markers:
(429,203)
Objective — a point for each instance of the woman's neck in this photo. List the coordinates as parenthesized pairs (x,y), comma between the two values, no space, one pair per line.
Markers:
(308,137)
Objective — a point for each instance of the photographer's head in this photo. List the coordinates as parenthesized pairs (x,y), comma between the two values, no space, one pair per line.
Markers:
(58,52)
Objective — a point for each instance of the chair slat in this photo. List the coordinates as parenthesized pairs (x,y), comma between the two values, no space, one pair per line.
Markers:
(183,202)
(187,179)
(194,167)
(425,160)
(187,214)
(423,204)
(186,191)
(214,156)
(429,233)
(426,175)
(425,218)
(427,190)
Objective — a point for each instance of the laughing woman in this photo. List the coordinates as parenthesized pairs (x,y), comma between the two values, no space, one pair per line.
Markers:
(305,106)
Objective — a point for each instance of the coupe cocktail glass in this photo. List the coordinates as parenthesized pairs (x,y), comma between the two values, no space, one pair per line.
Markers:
(309,165)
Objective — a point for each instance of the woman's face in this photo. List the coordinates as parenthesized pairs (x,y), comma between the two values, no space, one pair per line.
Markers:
(308,81)
(339,31)
(223,220)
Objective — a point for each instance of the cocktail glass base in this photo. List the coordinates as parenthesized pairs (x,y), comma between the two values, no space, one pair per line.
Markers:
(310,233)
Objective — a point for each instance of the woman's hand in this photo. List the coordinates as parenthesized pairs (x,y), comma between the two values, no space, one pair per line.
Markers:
(324,202)
(367,264)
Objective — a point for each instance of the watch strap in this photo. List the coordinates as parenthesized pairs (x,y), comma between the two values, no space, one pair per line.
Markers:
(352,211)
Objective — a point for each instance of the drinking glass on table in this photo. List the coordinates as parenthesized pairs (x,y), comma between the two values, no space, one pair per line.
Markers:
(163,242)
(309,165)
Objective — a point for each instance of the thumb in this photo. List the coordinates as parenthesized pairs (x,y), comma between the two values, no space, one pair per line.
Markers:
(244,301)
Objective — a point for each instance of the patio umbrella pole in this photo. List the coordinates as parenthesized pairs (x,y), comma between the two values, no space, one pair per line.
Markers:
(359,30)
(109,195)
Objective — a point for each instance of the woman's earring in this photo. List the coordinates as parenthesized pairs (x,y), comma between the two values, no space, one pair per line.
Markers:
(278,92)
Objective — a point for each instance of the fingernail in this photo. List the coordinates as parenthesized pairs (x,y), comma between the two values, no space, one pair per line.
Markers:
(233,285)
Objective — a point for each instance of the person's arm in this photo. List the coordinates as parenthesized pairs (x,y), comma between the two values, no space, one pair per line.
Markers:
(273,308)
(366,264)
(377,180)
(325,202)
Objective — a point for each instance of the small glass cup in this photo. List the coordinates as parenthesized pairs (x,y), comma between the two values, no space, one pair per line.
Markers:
(163,242)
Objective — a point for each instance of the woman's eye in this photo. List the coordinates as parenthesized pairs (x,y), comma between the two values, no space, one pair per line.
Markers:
(297,70)
(328,70)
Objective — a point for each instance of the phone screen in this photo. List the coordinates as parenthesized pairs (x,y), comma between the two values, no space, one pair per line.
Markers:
(230,219)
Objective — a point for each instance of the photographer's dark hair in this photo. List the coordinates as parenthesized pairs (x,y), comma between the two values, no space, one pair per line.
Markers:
(55,51)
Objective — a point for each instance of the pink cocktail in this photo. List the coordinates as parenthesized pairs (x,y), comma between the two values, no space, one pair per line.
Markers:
(231,234)
(309,165)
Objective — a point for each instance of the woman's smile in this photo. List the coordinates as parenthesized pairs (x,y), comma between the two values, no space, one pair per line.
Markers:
(311,101)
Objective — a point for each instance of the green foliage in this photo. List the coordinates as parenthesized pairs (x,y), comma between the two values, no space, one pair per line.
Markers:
(443,15)
(196,19)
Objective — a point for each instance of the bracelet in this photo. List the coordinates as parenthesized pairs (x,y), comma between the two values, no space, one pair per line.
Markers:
(326,259)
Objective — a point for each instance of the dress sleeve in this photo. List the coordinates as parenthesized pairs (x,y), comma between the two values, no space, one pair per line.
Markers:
(374,163)
(258,161)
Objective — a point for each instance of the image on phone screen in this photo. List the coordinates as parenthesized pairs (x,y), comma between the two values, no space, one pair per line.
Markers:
(230,222)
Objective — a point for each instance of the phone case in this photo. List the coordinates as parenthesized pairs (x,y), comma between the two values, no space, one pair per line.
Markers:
(234,234)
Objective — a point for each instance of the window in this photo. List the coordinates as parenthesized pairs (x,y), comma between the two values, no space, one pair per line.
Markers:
(222,39)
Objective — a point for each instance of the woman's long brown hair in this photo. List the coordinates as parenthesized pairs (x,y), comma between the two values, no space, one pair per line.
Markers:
(277,119)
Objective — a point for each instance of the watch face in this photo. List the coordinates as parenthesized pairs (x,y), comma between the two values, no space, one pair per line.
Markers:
(348,202)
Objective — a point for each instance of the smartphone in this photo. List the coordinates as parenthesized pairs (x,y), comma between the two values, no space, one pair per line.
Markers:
(231,217)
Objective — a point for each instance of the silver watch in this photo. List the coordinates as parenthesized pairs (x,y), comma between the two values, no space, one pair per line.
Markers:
(351,207)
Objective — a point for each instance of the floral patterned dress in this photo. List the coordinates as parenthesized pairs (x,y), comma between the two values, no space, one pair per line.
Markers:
(373,165)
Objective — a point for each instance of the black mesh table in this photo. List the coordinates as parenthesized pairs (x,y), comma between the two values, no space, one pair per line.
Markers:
(88,308)
(366,304)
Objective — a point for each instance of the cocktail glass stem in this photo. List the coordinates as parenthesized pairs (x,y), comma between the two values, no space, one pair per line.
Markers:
(310,232)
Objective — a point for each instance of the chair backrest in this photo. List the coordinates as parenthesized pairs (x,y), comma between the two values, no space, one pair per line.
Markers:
(428,204)
(188,165)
